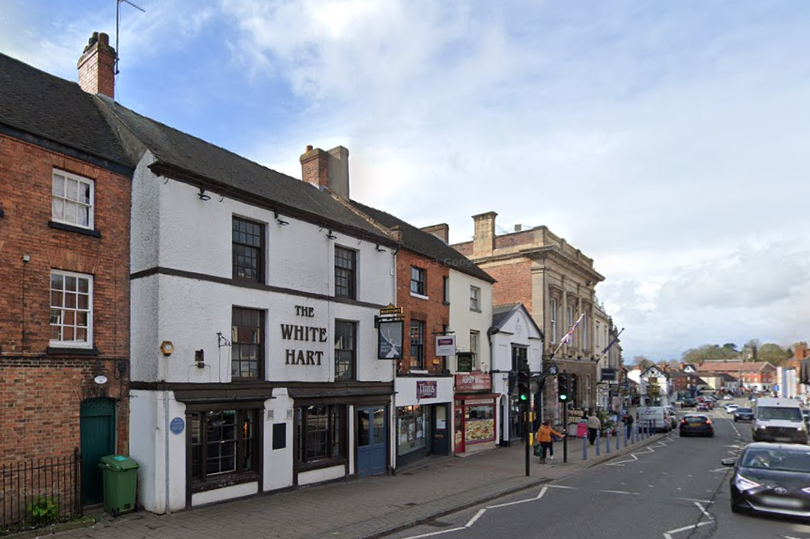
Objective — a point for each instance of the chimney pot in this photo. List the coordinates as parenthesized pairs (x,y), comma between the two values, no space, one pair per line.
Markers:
(309,147)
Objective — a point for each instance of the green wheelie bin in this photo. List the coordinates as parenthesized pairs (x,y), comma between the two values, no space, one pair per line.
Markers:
(120,479)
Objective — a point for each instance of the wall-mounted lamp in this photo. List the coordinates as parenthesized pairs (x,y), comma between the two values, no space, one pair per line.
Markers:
(202,195)
(380,249)
(221,340)
(166,348)
(199,358)
(280,221)
(330,235)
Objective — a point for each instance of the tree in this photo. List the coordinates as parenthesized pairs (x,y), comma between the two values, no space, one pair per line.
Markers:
(708,351)
(731,347)
(773,353)
(642,362)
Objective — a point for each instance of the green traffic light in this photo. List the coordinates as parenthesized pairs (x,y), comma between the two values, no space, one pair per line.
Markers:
(524,397)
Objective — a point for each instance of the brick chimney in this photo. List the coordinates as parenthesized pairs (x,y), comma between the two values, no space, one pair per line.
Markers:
(484,239)
(327,169)
(441,231)
(97,66)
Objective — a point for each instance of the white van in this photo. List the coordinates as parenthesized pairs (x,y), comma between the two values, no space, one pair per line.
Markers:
(657,418)
(778,420)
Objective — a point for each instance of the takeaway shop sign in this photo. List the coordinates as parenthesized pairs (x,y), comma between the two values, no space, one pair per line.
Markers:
(466,383)
(301,335)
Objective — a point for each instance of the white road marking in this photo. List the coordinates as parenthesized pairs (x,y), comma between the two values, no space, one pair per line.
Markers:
(668,535)
(703,510)
(476,517)
(431,534)
(719,470)
(619,492)
(562,486)
(539,495)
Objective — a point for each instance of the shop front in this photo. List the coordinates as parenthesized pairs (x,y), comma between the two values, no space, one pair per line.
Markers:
(422,418)
(475,424)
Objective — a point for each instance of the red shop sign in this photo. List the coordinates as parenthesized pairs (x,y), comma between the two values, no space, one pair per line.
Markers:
(472,382)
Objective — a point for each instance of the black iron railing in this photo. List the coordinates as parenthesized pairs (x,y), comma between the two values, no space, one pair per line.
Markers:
(40,492)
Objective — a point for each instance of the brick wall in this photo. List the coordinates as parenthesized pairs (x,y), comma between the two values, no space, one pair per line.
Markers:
(514,283)
(41,393)
(432,311)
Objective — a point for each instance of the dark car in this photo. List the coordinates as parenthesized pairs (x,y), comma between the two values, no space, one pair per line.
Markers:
(771,478)
(696,425)
(744,414)
(688,403)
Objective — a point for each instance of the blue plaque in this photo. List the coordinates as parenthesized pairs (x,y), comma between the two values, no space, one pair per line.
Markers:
(177,425)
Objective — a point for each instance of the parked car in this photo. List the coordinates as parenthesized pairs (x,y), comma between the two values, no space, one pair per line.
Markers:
(673,417)
(688,403)
(806,415)
(702,407)
(727,397)
(744,414)
(696,425)
(771,478)
(731,407)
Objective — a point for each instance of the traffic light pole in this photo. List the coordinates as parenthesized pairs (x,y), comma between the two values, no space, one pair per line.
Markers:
(527,434)
(565,416)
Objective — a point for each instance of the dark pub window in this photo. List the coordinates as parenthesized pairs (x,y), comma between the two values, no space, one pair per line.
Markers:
(247,349)
(344,350)
(248,241)
(417,344)
(417,281)
(345,264)
(223,444)
(319,431)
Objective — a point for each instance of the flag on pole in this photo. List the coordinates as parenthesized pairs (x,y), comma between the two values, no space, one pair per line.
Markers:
(570,333)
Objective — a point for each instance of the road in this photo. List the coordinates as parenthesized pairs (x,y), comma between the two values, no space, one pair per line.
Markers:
(673,489)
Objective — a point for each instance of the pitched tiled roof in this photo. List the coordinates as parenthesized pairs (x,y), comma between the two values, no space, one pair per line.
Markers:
(426,244)
(184,156)
(56,110)
(733,366)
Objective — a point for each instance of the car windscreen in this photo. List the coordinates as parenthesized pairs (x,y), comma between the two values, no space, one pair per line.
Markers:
(744,410)
(783,460)
(769,413)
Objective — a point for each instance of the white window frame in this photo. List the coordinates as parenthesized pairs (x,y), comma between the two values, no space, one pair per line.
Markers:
(475,298)
(475,341)
(89,311)
(64,200)
(553,320)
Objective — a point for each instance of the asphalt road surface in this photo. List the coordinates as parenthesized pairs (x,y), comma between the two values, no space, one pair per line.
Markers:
(672,489)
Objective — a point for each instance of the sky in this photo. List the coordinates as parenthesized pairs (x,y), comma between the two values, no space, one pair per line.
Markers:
(668,141)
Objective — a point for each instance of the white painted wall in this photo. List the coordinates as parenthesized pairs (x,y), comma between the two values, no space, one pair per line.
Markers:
(195,236)
(278,463)
(151,413)
(517,330)
(462,319)
(323,474)
(222,494)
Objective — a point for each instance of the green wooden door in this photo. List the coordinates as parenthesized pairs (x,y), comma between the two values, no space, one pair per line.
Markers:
(97,440)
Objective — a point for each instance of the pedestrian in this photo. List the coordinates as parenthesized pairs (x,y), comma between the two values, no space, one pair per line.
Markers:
(594,425)
(627,419)
(544,434)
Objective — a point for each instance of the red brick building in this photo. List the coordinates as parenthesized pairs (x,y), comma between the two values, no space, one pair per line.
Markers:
(64,269)
(752,375)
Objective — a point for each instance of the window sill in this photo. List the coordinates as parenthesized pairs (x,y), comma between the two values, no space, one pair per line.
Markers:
(224,481)
(319,464)
(445,303)
(68,351)
(419,296)
(76,229)
(474,310)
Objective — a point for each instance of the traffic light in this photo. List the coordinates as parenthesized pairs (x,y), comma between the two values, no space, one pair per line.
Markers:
(562,388)
(524,385)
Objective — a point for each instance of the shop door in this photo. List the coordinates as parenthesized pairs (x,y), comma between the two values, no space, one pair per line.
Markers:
(97,431)
(371,438)
(441,432)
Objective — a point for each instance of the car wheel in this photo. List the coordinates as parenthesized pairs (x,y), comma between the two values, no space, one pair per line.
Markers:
(739,509)
(735,419)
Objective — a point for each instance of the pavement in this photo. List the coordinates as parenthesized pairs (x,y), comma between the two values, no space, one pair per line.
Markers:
(355,508)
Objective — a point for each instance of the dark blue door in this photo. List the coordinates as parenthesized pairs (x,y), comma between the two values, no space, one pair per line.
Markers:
(371,437)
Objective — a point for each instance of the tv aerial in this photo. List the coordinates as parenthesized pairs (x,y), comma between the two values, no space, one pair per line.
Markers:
(117,22)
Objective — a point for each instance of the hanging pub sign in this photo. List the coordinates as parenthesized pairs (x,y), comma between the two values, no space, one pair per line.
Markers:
(608,375)
(445,345)
(390,332)
(389,339)
(464,362)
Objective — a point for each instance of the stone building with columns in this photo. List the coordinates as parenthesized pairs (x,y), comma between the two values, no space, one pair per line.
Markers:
(556,282)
